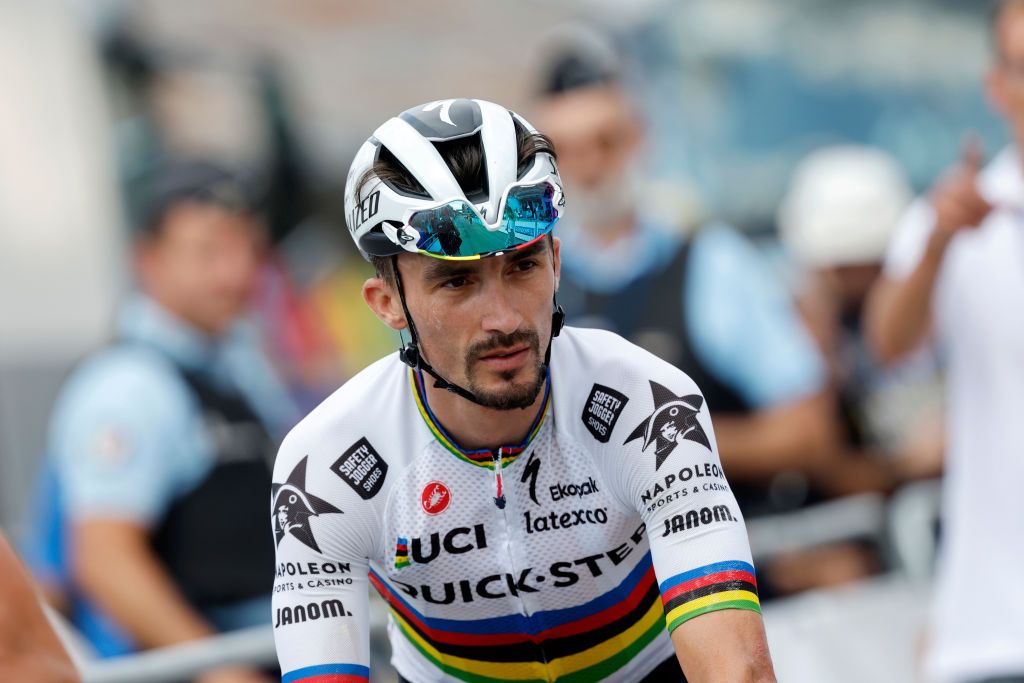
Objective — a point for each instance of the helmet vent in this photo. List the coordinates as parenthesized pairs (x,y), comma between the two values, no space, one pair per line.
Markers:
(468,164)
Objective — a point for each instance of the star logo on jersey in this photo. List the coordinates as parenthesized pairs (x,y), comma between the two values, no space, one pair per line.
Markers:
(674,420)
(293,507)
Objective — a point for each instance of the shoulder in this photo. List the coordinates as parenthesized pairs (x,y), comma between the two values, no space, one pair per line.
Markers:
(598,377)
(725,266)
(123,381)
(724,246)
(358,433)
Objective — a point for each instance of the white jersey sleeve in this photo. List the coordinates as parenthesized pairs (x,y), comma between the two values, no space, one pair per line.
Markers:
(329,480)
(649,429)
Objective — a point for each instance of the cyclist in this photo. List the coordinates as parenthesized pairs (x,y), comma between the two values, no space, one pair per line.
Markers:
(531,509)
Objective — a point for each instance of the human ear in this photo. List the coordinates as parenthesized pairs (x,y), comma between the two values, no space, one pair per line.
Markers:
(383,300)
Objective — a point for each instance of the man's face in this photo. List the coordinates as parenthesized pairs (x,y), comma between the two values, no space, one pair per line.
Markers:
(597,138)
(485,324)
(1006,78)
(203,264)
(594,133)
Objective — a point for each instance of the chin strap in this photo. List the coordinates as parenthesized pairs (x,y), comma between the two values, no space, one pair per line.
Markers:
(410,353)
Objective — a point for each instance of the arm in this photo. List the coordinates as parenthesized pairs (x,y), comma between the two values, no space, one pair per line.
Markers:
(323,530)
(729,645)
(898,312)
(899,309)
(136,586)
(667,468)
(750,336)
(29,649)
(795,435)
(121,439)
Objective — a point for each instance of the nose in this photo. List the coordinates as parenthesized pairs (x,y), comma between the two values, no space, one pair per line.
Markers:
(500,311)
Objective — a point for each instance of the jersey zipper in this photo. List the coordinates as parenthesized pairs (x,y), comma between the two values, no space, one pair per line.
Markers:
(499,489)
(499,502)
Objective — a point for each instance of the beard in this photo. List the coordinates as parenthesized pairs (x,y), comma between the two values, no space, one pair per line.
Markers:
(601,208)
(515,395)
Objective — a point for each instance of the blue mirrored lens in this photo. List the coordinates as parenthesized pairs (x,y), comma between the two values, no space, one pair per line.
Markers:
(530,211)
(455,229)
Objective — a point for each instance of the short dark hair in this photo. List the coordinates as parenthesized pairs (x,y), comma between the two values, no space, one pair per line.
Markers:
(175,181)
(465,158)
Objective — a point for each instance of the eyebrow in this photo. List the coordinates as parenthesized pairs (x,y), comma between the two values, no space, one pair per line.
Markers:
(440,269)
(443,270)
(534,249)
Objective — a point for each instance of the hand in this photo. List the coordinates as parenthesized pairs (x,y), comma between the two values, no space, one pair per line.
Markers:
(234,674)
(957,202)
(920,456)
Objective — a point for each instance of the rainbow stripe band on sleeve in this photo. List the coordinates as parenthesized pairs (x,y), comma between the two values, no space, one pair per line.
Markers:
(329,673)
(723,585)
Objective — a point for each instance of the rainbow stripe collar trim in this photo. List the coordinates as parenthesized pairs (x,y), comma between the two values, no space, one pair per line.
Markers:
(483,457)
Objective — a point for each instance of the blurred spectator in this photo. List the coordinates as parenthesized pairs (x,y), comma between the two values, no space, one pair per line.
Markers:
(29,649)
(956,268)
(835,221)
(700,297)
(160,445)
(703,301)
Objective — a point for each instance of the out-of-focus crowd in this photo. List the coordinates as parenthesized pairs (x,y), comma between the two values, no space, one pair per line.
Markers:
(874,338)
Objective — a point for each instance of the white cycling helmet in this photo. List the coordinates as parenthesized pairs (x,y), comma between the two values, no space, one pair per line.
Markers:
(512,207)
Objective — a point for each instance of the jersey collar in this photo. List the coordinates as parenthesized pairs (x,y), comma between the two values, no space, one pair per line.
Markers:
(483,457)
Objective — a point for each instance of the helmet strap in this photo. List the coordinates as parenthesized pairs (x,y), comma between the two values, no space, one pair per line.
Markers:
(410,354)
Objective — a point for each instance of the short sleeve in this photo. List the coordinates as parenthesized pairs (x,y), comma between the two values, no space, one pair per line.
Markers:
(122,441)
(910,240)
(664,463)
(322,531)
(743,322)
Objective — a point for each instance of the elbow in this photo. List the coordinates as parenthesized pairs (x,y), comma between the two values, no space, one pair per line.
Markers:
(759,667)
(884,346)
(756,669)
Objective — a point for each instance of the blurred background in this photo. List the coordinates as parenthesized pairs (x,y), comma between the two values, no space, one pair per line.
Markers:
(733,95)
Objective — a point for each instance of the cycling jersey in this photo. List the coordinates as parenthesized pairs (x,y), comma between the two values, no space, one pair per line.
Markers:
(561,558)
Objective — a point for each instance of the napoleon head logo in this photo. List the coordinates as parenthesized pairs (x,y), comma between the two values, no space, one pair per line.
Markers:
(674,420)
(293,508)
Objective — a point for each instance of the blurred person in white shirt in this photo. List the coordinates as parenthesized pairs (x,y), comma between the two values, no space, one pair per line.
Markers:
(955,271)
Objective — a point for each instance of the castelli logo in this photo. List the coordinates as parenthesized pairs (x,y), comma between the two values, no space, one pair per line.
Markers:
(435,498)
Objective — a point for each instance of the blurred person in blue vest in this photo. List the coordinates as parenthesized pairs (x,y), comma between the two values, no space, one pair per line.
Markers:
(954,272)
(841,207)
(702,298)
(160,444)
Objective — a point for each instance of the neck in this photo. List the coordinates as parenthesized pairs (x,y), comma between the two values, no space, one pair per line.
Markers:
(183,314)
(474,427)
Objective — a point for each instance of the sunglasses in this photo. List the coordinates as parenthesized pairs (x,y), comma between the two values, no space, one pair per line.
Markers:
(455,230)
